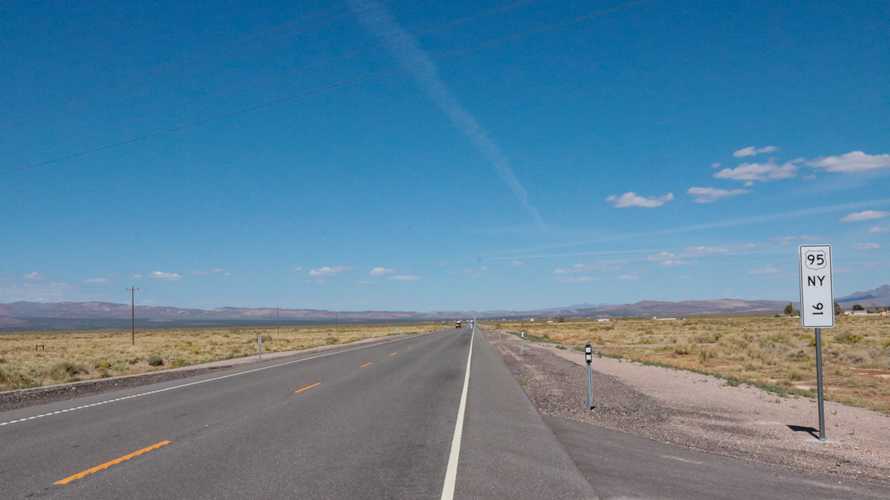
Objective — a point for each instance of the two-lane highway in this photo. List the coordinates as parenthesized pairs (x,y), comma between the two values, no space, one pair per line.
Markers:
(371,421)
(375,420)
(428,416)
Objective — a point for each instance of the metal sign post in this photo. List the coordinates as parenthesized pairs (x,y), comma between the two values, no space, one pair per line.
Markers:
(817,307)
(819,387)
(588,357)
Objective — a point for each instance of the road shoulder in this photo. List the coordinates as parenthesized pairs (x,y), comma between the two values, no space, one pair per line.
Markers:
(508,451)
(680,408)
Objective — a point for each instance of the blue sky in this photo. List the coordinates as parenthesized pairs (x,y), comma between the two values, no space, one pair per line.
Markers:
(436,155)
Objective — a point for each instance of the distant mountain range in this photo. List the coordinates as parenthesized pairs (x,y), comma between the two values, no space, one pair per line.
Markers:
(52,315)
(880,296)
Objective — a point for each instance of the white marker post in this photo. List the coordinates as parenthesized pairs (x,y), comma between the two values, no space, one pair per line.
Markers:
(588,357)
(817,307)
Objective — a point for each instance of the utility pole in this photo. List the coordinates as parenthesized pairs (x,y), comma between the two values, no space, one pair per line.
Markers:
(132,291)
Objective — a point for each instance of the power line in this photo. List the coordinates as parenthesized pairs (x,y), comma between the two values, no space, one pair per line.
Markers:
(367,76)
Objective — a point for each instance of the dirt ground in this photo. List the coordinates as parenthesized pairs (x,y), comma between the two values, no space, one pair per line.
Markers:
(699,411)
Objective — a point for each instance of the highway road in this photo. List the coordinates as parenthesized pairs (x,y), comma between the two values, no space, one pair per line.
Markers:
(429,416)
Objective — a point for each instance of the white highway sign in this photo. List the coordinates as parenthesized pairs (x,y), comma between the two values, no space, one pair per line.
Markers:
(816,294)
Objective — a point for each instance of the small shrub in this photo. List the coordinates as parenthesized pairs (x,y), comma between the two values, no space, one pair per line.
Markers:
(799,355)
(66,371)
(848,338)
(331,340)
(682,350)
(102,365)
(15,379)
(155,360)
(705,355)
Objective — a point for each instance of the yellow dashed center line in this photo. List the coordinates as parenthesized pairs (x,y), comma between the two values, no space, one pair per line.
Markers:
(106,465)
(366,365)
(306,388)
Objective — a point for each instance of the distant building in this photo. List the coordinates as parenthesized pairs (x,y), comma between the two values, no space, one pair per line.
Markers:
(603,320)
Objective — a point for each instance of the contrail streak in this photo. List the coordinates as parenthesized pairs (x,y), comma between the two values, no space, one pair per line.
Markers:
(727,223)
(404,47)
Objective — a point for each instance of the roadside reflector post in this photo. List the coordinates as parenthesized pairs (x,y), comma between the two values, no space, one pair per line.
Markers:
(588,357)
(817,308)
(259,346)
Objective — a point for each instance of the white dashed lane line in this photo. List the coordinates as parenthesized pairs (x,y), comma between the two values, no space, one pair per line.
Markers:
(197,382)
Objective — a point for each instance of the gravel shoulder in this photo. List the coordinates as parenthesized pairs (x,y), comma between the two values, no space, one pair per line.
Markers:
(700,412)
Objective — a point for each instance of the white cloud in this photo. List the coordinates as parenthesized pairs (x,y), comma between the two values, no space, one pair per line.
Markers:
(405,277)
(672,262)
(716,164)
(702,250)
(661,256)
(631,199)
(879,229)
(753,151)
(868,246)
(161,275)
(666,259)
(710,195)
(575,279)
(381,271)
(95,281)
(865,215)
(214,270)
(582,273)
(759,271)
(852,162)
(298,268)
(629,277)
(327,271)
(136,276)
(34,276)
(517,263)
(575,269)
(759,172)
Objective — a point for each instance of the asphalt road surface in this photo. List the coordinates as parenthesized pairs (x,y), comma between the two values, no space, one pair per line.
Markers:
(417,417)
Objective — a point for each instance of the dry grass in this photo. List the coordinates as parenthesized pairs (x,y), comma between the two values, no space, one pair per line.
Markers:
(773,353)
(83,355)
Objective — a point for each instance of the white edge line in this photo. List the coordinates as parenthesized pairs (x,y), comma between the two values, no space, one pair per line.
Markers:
(203,381)
(454,456)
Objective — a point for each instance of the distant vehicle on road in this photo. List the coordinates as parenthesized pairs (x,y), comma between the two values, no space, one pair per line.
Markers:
(458,324)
